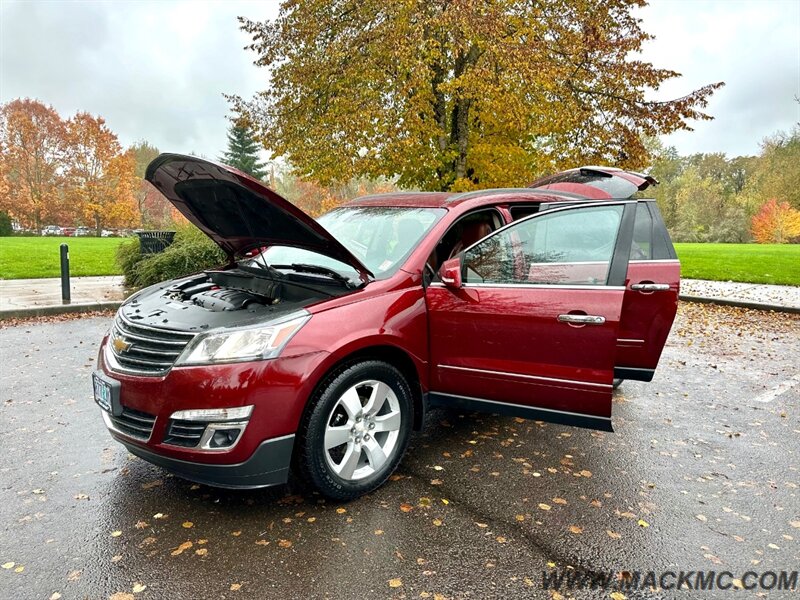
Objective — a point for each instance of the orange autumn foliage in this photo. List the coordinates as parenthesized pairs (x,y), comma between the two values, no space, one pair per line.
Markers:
(776,223)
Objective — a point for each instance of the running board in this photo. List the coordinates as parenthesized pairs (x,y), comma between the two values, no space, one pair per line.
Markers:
(437,399)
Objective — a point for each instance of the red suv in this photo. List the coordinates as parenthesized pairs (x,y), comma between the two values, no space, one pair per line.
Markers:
(322,343)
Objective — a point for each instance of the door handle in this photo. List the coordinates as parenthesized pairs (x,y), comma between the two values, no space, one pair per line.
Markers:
(582,319)
(650,287)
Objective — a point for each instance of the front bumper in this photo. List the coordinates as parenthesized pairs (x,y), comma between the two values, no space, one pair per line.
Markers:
(268,465)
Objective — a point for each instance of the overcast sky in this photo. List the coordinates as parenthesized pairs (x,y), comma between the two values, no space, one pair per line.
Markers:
(157,70)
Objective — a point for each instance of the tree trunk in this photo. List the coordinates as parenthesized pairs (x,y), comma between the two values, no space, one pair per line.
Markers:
(459,124)
(97,224)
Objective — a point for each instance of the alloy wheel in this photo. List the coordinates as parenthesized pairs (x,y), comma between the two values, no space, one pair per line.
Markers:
(362,430)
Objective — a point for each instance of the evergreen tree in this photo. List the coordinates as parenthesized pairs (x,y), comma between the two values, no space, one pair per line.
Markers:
(242,152)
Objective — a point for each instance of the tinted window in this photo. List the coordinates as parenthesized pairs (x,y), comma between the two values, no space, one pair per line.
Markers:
(572,247)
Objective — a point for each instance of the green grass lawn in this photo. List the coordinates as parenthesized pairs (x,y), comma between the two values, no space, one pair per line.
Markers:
(751,263)
(37,257)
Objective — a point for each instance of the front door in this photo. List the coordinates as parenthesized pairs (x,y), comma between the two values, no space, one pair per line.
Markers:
(533,329)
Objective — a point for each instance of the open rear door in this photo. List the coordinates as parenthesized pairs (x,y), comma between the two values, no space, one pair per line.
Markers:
(651,296)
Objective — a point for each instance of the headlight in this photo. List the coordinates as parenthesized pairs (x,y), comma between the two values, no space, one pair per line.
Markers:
(242,344)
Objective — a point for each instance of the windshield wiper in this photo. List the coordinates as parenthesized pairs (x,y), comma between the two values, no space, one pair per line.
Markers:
(317,270)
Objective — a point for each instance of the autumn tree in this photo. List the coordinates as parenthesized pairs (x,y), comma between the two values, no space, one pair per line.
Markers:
(32,153)
(100,177)
(458,94)
(242,152)
(776,223)
(778,170)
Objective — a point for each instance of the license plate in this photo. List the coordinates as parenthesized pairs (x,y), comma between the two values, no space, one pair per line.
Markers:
(102,393)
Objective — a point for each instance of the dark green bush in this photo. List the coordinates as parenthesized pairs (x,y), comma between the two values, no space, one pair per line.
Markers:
(191,252)
(5,224)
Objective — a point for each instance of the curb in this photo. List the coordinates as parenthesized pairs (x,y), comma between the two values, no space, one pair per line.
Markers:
(59,309)
(741,304)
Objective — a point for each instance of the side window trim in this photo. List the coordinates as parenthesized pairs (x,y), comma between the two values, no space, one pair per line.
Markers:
(618,266)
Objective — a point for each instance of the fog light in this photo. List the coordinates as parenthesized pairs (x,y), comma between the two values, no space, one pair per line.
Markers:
(224,438)
(221,437)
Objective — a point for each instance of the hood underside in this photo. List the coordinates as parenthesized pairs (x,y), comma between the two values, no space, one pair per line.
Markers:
(238,212)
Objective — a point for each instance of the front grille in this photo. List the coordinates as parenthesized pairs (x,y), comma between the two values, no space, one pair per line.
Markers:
(134,423)
(184,433)
(146,350)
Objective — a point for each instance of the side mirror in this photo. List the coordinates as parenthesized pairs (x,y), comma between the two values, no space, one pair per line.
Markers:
(450,273)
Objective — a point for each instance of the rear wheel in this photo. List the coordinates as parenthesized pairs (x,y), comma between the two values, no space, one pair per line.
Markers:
(356,430)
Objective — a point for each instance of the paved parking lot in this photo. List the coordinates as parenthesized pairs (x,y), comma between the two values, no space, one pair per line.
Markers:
(701,473)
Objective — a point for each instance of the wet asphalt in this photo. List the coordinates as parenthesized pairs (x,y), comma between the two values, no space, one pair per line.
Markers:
(702,473)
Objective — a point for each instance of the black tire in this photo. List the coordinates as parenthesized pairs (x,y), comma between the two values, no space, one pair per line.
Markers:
(311,462)
(616,383)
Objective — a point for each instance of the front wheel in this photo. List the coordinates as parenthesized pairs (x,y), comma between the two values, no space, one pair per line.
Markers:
(356,430)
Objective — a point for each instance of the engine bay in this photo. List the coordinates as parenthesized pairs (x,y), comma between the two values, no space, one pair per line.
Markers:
(234,290)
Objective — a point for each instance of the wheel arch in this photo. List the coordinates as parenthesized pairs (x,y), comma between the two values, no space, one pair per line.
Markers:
(390,354)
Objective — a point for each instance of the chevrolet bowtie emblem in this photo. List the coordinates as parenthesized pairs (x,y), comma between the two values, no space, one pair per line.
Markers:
(120,345)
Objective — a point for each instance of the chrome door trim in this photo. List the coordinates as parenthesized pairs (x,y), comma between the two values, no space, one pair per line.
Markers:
(524,376)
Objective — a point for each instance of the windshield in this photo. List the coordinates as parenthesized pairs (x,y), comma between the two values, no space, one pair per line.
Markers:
(380,237)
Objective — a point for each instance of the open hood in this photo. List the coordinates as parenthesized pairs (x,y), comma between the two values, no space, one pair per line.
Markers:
(238,212)
(598,183)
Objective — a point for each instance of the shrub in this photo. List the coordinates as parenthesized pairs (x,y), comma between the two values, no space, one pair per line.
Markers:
(5,225)
(191,252)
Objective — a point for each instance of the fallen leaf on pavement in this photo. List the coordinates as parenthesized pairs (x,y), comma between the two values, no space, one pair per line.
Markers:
(575,529)
(8,565)
(643,523)
(612,535)
(235,586)
(187,525)
(285,543)
(138,587)
(395,583)
(181,548)
(121,596)
(559,501)
(201,551)
(406,507)
(116,533)
(437,522)
(544,506)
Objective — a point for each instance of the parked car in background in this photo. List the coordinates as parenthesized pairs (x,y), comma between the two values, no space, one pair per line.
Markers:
(83,232)
(68,231)
(324,349)
(52,230)
(109,233)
